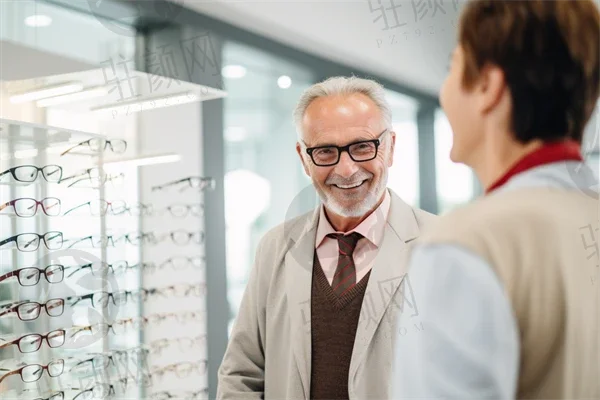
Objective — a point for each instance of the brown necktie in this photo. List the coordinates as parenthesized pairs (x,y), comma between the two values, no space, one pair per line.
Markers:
(345,273)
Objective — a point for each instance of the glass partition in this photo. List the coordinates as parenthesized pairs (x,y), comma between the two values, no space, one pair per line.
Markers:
(455,182)
(262,91)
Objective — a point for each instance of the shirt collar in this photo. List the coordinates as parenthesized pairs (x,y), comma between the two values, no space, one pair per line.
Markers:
(567,150)
(372,228)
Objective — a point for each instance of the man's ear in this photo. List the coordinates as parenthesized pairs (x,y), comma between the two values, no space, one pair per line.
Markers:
(491,87)
(392,148)
(299,151)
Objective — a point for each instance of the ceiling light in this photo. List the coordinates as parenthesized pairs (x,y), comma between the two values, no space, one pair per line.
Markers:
(284,81)
(38,21)
(233,71)
(45,92)
(73,97)
(127,108)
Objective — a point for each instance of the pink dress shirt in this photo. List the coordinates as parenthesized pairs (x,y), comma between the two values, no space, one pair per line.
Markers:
(372,229)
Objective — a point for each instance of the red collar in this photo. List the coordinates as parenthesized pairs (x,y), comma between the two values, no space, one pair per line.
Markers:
(568,150)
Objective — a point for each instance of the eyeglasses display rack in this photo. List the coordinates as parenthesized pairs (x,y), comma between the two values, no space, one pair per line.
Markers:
(70,267)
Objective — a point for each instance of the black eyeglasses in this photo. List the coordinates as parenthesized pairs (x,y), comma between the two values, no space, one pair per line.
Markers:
(32,343)
(98,145)
(33,372)
(31,241)
(27,207)
(364,150)
(30,276)
(30,310)
(29,173)
(194,182)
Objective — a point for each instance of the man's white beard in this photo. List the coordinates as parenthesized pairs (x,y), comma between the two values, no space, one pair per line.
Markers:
(360,208)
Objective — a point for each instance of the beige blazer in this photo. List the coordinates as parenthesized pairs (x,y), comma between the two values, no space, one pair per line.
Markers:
(269,352)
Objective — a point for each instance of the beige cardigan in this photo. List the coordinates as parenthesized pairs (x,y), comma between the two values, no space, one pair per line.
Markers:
(539,255)
(269,351)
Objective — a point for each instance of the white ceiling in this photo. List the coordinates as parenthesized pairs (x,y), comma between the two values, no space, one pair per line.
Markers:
(415,54)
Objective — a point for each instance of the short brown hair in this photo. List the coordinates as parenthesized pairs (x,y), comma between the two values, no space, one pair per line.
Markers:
(549,52)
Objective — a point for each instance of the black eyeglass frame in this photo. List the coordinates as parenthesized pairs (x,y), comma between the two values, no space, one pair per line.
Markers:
(376,142)
(38,169)
(40,238)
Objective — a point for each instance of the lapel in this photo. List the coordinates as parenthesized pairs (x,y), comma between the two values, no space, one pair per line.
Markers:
(298,283)
(386,275)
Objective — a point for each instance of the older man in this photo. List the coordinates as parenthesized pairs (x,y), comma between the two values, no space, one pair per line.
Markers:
(318,316)
(507,287)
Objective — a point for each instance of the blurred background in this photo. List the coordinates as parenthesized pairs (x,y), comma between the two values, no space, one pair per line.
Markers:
(207,89)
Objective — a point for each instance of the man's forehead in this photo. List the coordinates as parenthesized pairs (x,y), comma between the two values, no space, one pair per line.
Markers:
(341,136)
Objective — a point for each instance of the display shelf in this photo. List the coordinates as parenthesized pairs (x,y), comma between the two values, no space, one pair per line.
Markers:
(23,143)
(116,91)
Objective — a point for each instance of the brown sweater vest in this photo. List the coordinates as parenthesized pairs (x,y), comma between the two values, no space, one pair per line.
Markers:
(334,321)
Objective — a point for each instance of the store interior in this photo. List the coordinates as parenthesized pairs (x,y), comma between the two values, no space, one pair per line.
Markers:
(141,161)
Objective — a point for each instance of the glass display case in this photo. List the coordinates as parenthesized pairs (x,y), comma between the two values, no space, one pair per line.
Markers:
(102,272)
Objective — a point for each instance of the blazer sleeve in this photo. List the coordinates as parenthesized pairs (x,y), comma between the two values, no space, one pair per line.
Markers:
(241,374)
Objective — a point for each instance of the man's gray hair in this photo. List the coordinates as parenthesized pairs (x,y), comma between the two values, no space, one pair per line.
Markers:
(341,85)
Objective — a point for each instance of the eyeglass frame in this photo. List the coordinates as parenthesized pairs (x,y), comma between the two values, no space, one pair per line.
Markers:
(41,339)
(107,143)
(40,238)
(204,182)
(108,238)
(37,204)
(115,267)
(340,149)
(102,175)
(43,367)
(190,237)
(154,345)
(189,209)
(111,390)
(14,308)
(38,169)
(60,394)
(109,205)
(187,395)
(189,262)
(16,273)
